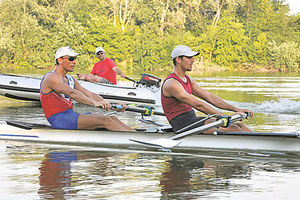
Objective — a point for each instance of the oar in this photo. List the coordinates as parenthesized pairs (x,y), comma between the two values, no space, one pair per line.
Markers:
(130,79)
(173,141)
(147,111)
(292,135)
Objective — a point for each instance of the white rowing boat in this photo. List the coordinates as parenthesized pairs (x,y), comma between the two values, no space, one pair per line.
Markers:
(144,92)
(158,138)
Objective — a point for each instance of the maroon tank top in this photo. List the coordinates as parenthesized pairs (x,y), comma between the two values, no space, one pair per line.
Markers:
(171,106)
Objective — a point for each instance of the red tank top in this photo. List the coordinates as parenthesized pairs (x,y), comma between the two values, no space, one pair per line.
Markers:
(54,102)
(171,106)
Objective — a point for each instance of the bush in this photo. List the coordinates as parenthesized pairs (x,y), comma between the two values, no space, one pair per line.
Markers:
(284,56)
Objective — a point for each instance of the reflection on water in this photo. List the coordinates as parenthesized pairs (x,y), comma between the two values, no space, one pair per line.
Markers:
(55,174)
(190,178)
(100,174)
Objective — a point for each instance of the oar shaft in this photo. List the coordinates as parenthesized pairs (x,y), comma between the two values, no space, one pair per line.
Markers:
(293,135)
(129,79)
(138,110)
(206,127)
(143,111)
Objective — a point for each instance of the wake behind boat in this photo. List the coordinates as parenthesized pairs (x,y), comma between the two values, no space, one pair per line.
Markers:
(156,137)
(144,92)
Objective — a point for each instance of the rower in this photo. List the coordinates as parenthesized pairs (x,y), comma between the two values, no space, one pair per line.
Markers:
(58,88)
(179,94)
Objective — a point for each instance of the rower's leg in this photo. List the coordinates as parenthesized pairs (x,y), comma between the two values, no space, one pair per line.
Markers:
(243,127)
(234,127)
(94,121)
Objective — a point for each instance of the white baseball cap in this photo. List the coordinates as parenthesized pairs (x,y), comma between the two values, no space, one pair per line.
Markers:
(65,51)
(99,49)
(182,50)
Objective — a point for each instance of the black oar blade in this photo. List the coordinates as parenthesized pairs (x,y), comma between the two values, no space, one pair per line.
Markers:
(159,143)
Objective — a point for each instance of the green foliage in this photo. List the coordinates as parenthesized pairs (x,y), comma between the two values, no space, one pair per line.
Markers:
(257,50)
(140,35)
(285,56)
(231,43)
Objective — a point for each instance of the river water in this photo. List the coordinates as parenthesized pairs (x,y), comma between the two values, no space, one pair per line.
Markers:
(44,171)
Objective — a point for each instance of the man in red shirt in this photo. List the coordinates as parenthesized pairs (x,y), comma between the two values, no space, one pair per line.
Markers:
(103,71)
(181,95)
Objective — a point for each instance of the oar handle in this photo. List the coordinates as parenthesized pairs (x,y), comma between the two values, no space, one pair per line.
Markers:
(145,111)
(117,106)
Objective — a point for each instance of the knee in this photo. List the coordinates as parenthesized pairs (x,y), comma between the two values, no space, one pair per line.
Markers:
(237,125)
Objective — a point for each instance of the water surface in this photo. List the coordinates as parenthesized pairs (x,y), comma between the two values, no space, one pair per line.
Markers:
(44,171)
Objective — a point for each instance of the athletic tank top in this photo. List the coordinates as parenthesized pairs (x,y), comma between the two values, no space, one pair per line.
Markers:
(171,106)
(54,102)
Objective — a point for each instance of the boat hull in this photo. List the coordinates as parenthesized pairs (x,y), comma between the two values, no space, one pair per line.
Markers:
(123,139)
(28,88)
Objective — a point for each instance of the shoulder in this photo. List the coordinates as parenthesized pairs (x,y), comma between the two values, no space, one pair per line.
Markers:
(171,82)
(50,76)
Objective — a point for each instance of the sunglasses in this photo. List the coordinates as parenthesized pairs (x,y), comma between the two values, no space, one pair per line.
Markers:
(70,58)
(100,53)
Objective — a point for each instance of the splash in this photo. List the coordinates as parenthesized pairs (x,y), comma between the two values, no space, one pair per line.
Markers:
(282,106)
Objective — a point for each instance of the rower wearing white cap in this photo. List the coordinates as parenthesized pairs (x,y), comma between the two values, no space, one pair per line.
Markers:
(179,94)
(104,71)
(58,88)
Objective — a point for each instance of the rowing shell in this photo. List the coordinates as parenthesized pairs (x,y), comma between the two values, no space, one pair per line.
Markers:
(223,140)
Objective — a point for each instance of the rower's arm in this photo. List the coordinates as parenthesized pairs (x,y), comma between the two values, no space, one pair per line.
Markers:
(215,100)
(104,104)
(172,88)
(53,82)
(118,71)
(88,93)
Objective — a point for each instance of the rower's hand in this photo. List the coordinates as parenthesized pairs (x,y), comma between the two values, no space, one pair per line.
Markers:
(103,104)
(121,108)
(248,112)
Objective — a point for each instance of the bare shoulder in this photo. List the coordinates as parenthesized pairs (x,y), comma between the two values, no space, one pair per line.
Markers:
(171,83)
(48,82)
(51,78)
(171,87)
(54,82)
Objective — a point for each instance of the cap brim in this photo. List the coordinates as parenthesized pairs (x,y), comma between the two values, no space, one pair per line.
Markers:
(191,54)
(73,54)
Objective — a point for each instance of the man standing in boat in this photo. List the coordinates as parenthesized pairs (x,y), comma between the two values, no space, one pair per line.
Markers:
(56,91)
(179,94)
(104,71)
